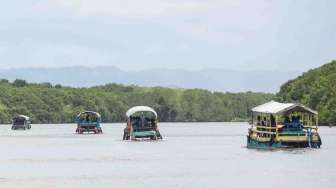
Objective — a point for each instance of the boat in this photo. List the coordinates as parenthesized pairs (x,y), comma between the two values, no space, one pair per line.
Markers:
(88,121)
(21,122)
(283,125)
(141,123)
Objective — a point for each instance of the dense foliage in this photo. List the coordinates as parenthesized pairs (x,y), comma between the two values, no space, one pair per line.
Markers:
(46,103)
(315,88)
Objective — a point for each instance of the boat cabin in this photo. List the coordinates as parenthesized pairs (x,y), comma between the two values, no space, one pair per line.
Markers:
(277,124)
(89,122)
(21,122)
(141,123)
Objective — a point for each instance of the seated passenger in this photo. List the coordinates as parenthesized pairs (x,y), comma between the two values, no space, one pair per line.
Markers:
(87,118)
(273,123)
(299,123)
(153,122)
(94,119)
(147,122)
(287,120)
(137,123)
(295,121)
(258,120)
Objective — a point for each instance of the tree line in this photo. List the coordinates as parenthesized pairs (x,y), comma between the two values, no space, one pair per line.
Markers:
(47,103)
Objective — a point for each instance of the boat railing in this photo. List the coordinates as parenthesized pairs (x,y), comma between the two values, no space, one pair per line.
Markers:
(96,124)
(266,130)
(280,130)
(266,127)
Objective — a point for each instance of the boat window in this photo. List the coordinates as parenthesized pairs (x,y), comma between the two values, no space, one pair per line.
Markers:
(88,118)
(19,121)
(140,122)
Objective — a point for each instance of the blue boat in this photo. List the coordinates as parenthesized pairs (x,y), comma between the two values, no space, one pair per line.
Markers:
(141,123)
(89,122)
(283,125)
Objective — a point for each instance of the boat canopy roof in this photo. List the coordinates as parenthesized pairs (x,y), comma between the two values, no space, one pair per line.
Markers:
(136,109)
(21,117)
(89,112)
(274,107)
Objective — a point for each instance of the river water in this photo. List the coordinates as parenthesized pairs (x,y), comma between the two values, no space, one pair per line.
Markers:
(194,155)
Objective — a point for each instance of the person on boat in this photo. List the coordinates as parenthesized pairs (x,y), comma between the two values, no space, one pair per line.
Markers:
(273,123)
(287,121)
(295,122)
(147,122)
(137,122)
(153,122)
(258,120)
(133,120)
(94,119)
(263,123)
(301,123)
(298,122)
(87,118)
(258,123)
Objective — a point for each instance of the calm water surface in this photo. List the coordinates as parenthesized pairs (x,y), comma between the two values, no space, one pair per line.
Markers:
(191,155)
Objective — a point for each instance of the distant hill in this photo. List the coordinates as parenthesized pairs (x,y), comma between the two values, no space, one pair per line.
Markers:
(210,79)
(315,88)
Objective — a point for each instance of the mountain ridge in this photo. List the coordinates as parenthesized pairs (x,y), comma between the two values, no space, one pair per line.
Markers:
(211,79)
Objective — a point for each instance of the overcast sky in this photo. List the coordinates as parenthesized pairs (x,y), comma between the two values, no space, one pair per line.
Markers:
(189,34)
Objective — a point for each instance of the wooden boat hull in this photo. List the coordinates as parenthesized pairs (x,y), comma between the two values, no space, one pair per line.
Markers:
(23,127)
(89,129)
(255,144)
(152,134)
(272,144)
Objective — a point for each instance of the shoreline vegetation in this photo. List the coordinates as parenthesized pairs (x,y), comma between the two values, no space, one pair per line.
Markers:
(54,104)
(47,103)
(315,89)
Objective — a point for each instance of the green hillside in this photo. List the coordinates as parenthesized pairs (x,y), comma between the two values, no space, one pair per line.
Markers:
(315,88)
(46,103)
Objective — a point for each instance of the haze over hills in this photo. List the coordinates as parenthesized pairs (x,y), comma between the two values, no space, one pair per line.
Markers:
(211,79)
